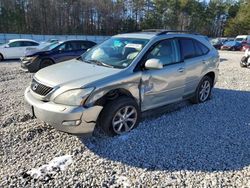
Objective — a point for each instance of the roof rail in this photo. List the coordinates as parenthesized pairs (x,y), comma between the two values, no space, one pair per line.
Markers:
(152,30)
(162,31)
(177,31)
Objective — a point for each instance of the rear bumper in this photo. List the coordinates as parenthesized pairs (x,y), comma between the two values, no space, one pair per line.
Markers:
(56,115)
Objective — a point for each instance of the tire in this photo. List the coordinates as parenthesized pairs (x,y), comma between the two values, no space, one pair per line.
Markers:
(243,61)
(205,81)
(242,65)
(1,57)
(112,118)
(45,63)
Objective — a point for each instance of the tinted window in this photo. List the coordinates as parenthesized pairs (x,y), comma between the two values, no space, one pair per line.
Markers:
(65,47)
(15,44)
(29,43)
(201,47)
(78,45)
(90,44)
(167,51)
(188,49)
(198,49)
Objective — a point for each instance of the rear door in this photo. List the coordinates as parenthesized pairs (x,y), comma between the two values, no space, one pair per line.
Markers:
(27,45)
(14,50)
(194,54)
(166,85)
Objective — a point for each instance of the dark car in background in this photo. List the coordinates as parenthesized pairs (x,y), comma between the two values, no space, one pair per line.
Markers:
(231,45)
(54,53)
(217,43)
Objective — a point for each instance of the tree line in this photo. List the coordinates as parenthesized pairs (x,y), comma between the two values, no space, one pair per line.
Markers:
(108,17)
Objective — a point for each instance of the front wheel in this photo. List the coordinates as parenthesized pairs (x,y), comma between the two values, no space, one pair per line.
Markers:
(119,116)
(46,63)
(203,91)
(1,57)
(242,64)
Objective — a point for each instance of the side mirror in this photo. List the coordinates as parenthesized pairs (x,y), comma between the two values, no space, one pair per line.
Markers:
(60,50)
(6,46)
(153,64)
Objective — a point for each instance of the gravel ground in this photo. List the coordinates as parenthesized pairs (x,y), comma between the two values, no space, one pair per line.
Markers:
(205,145)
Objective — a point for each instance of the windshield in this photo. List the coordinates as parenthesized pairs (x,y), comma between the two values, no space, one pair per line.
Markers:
(50,46)
(115,52)
(239,39)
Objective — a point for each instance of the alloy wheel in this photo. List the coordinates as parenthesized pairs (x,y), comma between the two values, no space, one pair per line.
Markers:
(124,119)
(204,91)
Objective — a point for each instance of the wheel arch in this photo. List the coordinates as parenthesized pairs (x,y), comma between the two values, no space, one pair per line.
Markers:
(114,94)
(48,58)
(211,74)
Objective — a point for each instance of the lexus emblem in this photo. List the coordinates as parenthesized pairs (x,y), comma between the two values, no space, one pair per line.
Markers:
(34,87)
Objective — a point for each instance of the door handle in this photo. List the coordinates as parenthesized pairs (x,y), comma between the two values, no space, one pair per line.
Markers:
(181,69)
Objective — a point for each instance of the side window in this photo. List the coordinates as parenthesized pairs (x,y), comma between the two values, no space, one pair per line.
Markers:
(90,44)
(203,48)
(198,49)
(81,46)
(65,47)
(166,51)
(188,49)
(15,44)
(28,43)
(68,46)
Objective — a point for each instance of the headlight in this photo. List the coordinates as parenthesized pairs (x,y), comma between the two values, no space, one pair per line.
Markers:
(73,97)
(29,58)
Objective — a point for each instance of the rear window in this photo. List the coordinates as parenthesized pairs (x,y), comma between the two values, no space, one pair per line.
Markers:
(192,48)
(188,49)
(201,49)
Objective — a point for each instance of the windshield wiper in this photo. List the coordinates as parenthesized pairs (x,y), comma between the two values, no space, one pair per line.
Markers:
(100,63)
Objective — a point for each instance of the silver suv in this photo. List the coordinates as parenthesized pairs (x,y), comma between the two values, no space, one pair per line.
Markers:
(112,83)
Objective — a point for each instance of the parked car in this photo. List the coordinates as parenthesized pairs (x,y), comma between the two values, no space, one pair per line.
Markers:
(16,48)
(245,47)
(217,43)
(226,39)
(113,83)
(231,45)
(242,38)
(54,53)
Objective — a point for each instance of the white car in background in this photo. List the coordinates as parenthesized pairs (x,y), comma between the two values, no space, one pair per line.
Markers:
(242,38)
(16,48)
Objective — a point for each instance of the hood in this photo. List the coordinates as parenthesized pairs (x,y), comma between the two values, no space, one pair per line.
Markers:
(73,74)
(34,52)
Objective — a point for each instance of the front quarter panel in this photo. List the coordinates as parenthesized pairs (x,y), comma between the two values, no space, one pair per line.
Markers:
(129,82)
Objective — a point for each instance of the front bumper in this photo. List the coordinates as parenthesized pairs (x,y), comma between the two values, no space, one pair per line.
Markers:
(31,66)
(56,114)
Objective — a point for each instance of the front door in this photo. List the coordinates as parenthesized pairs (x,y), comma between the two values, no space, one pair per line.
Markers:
(163,86)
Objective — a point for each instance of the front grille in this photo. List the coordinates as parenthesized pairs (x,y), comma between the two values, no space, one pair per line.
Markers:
(40,88)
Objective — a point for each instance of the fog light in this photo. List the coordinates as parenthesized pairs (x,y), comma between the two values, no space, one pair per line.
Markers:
(72,122)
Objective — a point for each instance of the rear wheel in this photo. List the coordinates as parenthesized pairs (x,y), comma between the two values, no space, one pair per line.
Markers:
(46,63)
(119,116)
(203,91)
